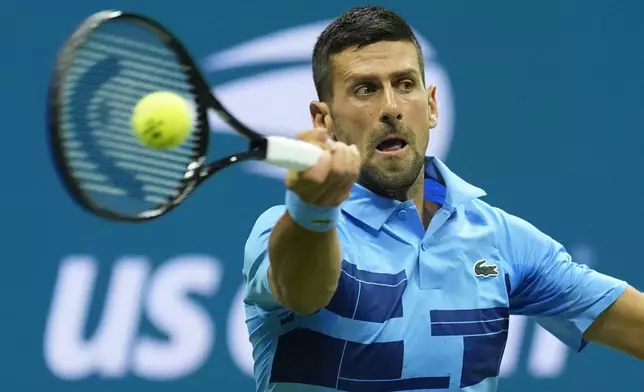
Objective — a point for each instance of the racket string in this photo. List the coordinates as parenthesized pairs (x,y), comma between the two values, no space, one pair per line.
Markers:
(117,66)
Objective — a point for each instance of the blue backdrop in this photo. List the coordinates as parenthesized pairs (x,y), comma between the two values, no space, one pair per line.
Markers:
(540,106)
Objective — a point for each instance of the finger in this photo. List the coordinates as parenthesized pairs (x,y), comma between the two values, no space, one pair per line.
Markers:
(348,161)
(353,161)
(351,158)
(338,182)
(322,144)
(314,135)
(318,174)
(352,167)
(356,159)
(322,193)
(320,171)
(330,181)
(338,163)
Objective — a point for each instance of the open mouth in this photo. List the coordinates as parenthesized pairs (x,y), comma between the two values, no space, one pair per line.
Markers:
(391,145)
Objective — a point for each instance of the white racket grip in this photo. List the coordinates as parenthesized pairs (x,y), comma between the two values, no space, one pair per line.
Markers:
(291,154)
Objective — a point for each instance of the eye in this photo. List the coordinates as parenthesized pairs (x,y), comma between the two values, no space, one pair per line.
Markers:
(365,89)
(407,85)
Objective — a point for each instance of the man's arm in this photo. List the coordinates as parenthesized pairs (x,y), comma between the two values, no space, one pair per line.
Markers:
(305,266)
(621,325)
(304,249)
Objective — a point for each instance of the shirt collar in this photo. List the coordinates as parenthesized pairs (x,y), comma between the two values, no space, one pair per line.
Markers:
(374,210)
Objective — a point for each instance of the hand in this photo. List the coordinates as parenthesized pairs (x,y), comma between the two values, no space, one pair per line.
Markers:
(329,182)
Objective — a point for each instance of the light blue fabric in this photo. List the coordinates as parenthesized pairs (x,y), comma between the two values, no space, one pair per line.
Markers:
(419,309)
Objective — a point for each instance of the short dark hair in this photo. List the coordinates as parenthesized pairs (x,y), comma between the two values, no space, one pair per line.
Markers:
(358,27)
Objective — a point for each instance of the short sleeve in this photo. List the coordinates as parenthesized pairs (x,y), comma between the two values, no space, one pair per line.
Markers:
(564,296)
(256,261)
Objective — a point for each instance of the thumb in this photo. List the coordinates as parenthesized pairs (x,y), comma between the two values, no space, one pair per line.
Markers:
(320,135)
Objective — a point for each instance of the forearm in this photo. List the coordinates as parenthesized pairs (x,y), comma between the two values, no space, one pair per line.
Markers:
(305,265)
(621,326)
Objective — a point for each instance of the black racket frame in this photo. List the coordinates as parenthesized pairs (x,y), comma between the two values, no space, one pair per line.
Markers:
(198,170)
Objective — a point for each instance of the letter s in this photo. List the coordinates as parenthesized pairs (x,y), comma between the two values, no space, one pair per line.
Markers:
(188,326)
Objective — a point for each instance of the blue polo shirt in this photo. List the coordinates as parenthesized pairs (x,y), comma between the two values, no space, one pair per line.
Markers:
(417,309)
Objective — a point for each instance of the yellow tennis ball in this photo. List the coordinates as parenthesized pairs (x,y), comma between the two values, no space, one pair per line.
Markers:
(162,120)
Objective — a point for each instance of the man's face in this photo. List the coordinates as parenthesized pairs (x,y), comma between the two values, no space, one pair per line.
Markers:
(381,105)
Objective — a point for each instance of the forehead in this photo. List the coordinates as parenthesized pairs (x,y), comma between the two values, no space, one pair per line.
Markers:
(382,57)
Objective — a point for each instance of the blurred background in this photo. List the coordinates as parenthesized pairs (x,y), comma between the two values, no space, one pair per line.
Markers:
(540,105)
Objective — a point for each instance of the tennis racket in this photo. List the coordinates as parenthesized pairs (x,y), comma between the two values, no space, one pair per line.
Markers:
(111,61)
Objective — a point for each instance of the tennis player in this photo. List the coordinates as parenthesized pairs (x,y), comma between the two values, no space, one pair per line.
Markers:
(385,271)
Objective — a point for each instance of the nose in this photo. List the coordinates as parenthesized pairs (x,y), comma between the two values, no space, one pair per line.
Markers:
(390,117)
(391,112)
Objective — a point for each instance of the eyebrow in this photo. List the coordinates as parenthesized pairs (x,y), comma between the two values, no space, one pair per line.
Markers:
(394,75)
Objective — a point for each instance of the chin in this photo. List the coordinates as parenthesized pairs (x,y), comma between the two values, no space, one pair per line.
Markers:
(398,162)
(391,174)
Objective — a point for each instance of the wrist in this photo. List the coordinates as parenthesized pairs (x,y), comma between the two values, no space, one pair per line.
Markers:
(309,216)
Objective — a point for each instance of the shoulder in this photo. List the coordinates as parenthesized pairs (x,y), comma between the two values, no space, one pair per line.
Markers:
(498,218)
(522,247)
(257,241)
(515,236)
(501,220)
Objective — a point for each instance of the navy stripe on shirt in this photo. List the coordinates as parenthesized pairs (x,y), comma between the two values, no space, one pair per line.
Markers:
(463,322)
(463,329)
(468,315)
(368,296)
(373,277)
(307,357)
(484,333)
(482,356)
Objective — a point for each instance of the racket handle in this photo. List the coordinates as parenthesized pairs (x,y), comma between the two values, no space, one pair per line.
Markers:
(291,154)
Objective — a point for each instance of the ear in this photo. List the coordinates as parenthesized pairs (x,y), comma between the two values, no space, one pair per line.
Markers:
(321,117)
(319,110)
(433,106)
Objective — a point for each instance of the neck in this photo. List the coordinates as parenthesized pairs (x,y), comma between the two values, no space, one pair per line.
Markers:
(426,209)
(415,192)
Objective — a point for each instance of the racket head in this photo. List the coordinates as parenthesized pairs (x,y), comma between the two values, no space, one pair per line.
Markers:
(110,61)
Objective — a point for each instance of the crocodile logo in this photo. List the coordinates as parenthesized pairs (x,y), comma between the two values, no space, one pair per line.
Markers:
(481,269)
